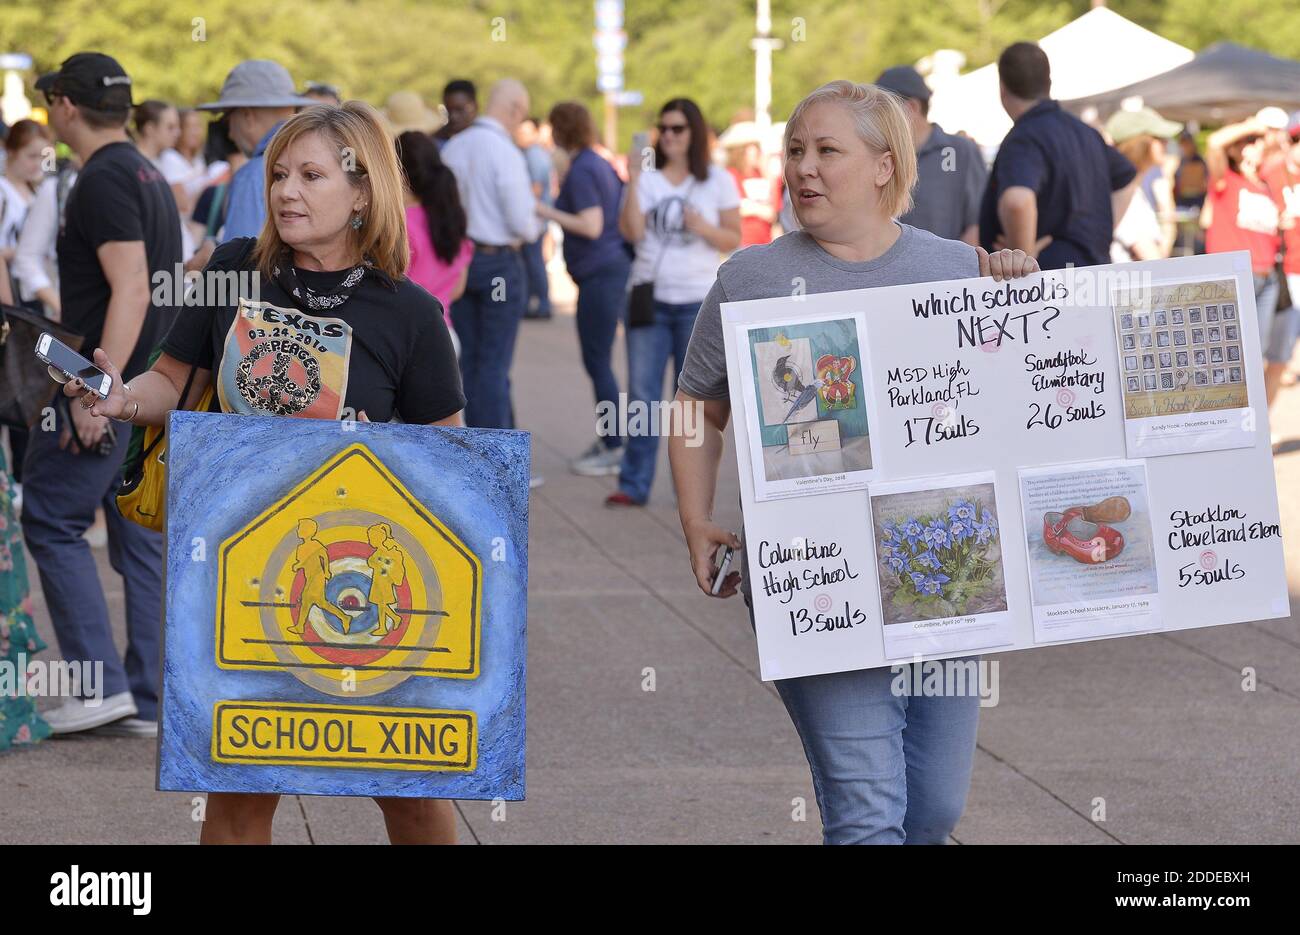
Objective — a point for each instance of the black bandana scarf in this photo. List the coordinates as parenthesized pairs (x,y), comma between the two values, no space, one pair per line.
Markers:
(286,276)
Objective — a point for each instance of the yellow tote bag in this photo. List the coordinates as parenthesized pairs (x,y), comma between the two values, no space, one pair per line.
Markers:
(142,498)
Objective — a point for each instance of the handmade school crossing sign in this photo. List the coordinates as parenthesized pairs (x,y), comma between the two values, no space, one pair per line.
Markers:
(348,577)
(345,608)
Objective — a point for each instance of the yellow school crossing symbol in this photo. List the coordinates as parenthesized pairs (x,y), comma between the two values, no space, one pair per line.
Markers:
(351,584)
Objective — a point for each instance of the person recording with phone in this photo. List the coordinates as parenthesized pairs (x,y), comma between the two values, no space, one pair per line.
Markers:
(120,231)
(326,276)
(680,213)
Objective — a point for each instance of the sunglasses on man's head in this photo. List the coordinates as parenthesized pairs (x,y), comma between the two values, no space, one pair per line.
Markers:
(674,127)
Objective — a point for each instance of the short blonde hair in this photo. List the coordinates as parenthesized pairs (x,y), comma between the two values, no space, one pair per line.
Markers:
(357,129)
(881,124)
(1137,150)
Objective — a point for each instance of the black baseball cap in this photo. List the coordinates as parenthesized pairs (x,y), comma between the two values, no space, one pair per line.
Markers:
(905,81)
(91,79)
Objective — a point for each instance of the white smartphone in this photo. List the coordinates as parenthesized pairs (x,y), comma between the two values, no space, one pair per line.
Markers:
(65,363)
(723,566)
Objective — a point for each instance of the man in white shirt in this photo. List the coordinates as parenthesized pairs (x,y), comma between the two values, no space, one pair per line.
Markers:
(497,193)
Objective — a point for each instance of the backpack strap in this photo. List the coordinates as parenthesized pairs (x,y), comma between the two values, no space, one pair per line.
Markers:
(180,404)
(214,210)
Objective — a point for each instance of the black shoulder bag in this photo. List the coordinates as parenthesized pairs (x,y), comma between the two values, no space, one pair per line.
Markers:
(641,298)
(25,386)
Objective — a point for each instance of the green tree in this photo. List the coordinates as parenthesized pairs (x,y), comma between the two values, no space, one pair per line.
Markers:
(675,47)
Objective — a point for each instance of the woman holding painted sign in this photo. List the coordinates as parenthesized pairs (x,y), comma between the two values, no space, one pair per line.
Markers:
(324,287)
(886,768)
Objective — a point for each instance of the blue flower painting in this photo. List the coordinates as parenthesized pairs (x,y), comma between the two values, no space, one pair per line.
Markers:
(939,553)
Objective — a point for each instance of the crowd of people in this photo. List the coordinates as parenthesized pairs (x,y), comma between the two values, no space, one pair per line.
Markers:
(428,236)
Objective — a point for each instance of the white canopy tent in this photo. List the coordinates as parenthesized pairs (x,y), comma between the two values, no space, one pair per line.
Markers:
(1097,52)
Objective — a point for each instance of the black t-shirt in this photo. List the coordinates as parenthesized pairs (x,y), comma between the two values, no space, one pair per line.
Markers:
(1072,171)
(385,351)
(119,196)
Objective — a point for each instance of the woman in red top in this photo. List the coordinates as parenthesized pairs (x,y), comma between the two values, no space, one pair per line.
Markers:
(758,201)
(1240,214)
(1282,175)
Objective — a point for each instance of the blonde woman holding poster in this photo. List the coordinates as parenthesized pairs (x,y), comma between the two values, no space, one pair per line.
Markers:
(886,768)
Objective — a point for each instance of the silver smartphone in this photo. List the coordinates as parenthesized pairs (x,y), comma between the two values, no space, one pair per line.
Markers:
(724,565)
(65,363)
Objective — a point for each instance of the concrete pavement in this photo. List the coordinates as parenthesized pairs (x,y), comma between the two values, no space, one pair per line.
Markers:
(1153,732)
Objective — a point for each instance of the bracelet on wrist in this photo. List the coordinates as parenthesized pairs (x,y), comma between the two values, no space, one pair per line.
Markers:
(126,389)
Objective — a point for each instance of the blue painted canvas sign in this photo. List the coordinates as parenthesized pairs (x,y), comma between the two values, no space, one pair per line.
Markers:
(345,608)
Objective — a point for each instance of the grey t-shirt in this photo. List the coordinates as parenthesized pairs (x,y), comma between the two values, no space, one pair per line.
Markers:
(950,181)
(796,263)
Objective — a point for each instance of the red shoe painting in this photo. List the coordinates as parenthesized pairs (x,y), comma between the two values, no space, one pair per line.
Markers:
(1080,533)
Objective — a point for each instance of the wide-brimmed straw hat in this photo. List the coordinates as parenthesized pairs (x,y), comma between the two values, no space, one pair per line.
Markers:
(406,110)
(740,133)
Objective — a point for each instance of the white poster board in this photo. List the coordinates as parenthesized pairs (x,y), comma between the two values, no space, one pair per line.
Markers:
(1116,508)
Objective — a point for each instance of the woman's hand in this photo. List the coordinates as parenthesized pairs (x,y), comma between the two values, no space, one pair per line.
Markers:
(694,222)
(703,539)
(199,261)
(545,211)
(114,407)
(89,430)
(1006,264)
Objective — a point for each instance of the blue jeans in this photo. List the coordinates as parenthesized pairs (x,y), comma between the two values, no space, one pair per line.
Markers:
(887,768)
(648,350)
(535,269)
(1268,289)
(60,495)
(1282,333)
(486,319)
(602,297)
